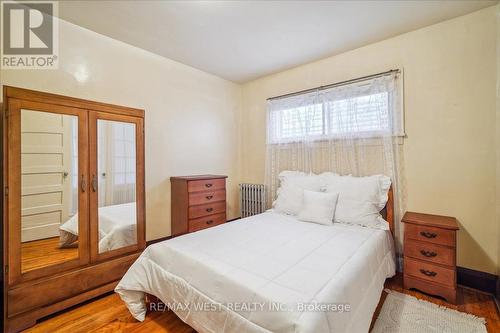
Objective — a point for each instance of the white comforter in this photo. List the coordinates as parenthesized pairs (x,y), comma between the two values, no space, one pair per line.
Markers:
(271,260)
(117,227)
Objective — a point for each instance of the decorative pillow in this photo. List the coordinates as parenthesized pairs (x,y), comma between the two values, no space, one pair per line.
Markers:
(318,207)
(290,194)
(289,200)
(360,199)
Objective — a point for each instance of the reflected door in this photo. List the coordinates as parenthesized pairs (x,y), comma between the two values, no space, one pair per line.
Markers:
(117,220)
(49,187)
(46,185)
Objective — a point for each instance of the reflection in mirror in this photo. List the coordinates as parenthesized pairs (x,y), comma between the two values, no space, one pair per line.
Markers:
(117,218)
(49,189)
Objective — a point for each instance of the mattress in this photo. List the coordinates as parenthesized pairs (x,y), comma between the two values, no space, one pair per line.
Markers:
(268,272)
(117,227)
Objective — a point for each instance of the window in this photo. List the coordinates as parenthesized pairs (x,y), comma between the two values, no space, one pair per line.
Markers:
(362,110)
(124,153)
(116,162)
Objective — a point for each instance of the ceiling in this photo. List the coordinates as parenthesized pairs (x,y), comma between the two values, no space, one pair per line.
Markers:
(243,40)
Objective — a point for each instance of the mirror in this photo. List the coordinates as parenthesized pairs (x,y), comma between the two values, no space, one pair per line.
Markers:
(116,183)
(49,189)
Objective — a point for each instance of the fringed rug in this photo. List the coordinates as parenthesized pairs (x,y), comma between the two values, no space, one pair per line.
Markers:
(406,314)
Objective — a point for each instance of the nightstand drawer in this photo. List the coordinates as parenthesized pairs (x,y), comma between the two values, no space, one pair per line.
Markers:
(430,252)
(449,293)
(430,272)
(206,222)
(200,198)
(430,234)
(209,209)
(206,185)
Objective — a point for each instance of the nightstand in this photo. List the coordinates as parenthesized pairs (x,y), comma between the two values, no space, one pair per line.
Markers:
(430,254)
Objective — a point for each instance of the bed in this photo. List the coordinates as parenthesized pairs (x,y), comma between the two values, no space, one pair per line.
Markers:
(117,227)
(269,272)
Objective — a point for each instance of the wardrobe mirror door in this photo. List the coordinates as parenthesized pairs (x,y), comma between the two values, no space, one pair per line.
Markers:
(49,189)
(116,184)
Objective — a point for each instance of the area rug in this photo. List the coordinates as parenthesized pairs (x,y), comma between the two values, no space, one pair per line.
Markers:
(406,314)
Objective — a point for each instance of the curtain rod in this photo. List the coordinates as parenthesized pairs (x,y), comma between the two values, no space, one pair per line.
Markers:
(341,83)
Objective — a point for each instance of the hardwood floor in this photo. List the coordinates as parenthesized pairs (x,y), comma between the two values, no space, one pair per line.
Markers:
(109,314)
(468,300)
(45,252)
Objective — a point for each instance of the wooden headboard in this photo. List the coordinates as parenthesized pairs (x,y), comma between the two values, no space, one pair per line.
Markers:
(388,211)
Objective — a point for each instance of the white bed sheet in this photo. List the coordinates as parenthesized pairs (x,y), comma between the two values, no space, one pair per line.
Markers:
(117,226)
(265,259)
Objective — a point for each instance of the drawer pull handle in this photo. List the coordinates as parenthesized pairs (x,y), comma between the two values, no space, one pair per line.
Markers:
(209,209)
(428,254)
(210,221)
(428,234)
(83,184)
(209,197)
(208,185)
(94,183)
(428,273)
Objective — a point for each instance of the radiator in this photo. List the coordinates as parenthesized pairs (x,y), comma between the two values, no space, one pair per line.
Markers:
(252,199)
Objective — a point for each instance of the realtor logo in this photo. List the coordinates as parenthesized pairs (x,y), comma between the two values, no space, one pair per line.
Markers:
(29,35)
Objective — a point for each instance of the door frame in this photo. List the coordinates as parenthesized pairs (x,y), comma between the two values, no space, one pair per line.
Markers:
(95,256)
(13,180)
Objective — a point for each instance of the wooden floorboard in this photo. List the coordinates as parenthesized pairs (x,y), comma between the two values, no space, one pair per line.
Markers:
(468,300)
(45,252)
(109,314)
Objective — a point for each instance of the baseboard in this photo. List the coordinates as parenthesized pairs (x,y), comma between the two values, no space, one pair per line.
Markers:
(478,280)
(157,240)
(497,295)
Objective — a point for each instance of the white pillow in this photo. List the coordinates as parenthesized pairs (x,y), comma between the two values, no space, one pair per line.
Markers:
(293,183)
(306,181)
(360,199)
(318,207)
(289,200)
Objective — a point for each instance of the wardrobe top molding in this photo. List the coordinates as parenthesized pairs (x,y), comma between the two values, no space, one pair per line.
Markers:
(37,96)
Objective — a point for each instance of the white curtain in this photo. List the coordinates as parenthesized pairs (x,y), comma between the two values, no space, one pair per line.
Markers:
(116,164)
(350,129)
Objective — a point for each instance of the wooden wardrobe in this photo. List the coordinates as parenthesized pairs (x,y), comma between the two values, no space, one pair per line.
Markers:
(73,203)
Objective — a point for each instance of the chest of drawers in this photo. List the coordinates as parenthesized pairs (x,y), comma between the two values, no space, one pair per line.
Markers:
(430,254)
(198,202)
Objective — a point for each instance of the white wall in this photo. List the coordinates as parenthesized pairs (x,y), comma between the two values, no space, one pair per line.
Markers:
(199,123)
(449,77)
(192,118)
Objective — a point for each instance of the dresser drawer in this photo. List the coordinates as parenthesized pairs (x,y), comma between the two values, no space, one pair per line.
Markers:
(430,234)
(449,293)
(208,209)
(430,272)
(430,252)
(206,185)
(200,198)
(206,222)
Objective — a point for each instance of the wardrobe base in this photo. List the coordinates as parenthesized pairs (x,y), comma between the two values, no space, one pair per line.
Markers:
(20,321)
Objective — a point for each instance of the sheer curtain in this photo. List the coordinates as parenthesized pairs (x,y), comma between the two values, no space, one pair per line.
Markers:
(350,129)
(116,149)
